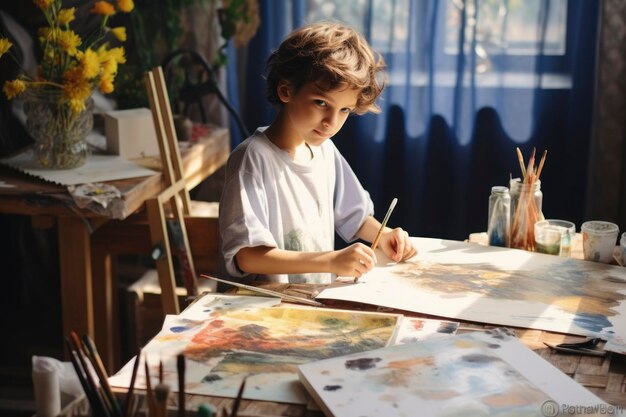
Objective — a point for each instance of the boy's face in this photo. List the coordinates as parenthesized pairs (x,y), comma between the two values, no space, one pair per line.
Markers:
(314,114)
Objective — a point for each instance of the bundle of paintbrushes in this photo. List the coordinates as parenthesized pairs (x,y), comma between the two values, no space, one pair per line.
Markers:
(87,362)
(526,203)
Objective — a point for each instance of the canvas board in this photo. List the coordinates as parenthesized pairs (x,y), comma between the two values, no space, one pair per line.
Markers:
(227,338)
(474,374)
(510,287)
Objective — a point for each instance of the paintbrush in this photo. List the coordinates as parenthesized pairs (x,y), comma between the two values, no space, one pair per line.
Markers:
(152,408)
(530,170)
(384,223)
(96,361)
(520,158)
(180,367)
(90,393)
(285,297)
(129,394)
(161,393)
(382,228)
(543,160)
(233,412)
(101,399)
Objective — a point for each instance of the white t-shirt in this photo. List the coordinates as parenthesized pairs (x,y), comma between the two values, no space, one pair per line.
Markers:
(271,200)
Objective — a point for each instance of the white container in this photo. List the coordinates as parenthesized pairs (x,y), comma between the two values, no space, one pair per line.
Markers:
(599,238)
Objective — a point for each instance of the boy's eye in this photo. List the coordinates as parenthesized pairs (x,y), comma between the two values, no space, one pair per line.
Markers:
(346,110)
(321,103)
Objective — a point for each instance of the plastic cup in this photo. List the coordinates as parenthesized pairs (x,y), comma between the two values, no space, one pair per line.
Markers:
(599,238)
(554,237)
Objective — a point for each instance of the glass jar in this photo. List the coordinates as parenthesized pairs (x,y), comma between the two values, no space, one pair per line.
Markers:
(526,202)
(498,226)
(60,133)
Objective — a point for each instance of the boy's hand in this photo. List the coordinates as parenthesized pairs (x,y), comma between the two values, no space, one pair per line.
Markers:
(353,261)
(397,245)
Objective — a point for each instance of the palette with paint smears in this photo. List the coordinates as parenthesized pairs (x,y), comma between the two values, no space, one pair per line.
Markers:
(489,373)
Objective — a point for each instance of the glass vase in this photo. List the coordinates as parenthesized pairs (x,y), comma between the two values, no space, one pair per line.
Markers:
(60,134)
(526,202)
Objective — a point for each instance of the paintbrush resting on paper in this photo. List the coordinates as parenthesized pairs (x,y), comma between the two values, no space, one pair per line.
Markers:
(285,297)
(382,227)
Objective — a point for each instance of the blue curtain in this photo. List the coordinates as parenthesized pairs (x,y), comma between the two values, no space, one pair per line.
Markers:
(465,89)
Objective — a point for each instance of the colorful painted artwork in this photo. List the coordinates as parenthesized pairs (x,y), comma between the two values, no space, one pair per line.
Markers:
(474,374)
(415,329)
(226,338)
(502,286)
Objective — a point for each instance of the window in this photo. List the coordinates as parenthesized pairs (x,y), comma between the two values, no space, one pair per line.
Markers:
(508,38)
(510,27)
(389,28)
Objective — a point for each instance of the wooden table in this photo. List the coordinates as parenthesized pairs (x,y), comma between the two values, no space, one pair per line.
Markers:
(49,204)
(604,376)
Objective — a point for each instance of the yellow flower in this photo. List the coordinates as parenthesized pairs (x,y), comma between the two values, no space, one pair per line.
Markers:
(119,33)
(125,5)
(13,88)
(77,92)
(43,4)
(109,66)
(44,32)
(69,41)
(77,105)
(69,64)
(5,44)
(117,54)
(66,16)
(106,83)
(104,8)
(90,63)
(74,75)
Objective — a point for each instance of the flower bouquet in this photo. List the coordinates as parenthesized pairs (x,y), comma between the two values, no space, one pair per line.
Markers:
(57,100)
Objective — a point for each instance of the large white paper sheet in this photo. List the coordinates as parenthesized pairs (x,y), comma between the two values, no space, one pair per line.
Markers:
(98,168)
(501,286)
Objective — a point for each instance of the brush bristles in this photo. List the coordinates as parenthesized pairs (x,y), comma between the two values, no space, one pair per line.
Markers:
(161,392)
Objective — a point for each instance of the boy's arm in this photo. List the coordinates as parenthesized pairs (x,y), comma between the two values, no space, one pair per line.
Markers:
(355,260)
(395,243)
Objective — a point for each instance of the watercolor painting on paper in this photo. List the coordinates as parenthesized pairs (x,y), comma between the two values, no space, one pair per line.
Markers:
(225,339)
(502,286)
(416,329)
(474,374)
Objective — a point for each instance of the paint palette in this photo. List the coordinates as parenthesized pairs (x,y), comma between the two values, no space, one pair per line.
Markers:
(471,374)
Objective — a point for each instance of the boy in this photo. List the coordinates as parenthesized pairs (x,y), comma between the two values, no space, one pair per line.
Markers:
(287,187)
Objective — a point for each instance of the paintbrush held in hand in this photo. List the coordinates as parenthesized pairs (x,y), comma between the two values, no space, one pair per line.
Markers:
(526,210)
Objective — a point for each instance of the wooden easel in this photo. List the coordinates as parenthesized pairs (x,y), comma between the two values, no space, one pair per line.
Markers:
(175,195)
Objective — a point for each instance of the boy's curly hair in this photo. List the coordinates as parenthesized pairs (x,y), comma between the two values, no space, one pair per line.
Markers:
(329,54)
